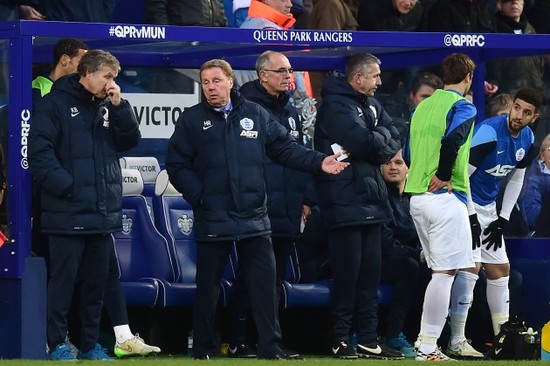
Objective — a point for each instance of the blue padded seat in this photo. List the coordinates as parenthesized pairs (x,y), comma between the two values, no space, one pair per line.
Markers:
(314,294)
(174,219)
(296,294)
(142,252)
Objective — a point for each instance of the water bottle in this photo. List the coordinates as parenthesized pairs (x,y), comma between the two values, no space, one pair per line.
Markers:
(190,343)
(545,343)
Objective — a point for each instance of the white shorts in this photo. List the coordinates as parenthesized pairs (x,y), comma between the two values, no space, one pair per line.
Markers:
(442,224)
(487,214)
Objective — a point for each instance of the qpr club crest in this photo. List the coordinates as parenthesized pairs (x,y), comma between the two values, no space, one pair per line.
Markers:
(520,154)
(126,224)
(185,224)
(247,124)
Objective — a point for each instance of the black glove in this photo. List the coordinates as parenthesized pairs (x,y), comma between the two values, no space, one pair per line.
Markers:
(494,233)
(476,232)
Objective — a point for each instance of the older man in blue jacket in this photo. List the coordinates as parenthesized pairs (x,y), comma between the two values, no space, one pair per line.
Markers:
(77,131)
(216,158)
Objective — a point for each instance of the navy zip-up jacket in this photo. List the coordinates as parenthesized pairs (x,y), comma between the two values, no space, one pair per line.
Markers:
(73,144)
(287,189)
(219,166)
(359,124)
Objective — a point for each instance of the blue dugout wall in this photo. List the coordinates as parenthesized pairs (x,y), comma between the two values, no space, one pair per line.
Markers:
(24,43)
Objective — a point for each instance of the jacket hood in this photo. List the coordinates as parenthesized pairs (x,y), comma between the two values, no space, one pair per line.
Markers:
(70,84)
(338,85)
(254,91)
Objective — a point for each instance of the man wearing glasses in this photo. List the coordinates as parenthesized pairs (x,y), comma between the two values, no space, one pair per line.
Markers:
(273,14)
(289,192)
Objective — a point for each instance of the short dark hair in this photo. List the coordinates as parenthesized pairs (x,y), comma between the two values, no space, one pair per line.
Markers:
(531,96)
(69,47)
(456,67)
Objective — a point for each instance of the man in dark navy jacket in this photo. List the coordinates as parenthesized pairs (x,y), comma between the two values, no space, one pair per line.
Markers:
(290,195)
(77,131)
(216,159)
(354,204)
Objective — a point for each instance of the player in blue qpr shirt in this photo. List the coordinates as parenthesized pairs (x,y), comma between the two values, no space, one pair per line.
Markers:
(501,146)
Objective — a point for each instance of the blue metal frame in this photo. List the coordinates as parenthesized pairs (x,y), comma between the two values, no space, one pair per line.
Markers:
(13,253)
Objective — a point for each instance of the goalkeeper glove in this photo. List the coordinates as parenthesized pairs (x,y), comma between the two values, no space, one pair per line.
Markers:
(494,233)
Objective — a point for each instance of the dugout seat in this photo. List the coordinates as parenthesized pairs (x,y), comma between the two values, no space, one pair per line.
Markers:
(142,252)
(175,221)
(296,294)
(314,294)
(149,168)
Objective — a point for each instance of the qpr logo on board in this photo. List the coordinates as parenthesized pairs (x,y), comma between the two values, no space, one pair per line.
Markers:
(126,224)
(185,224)
(460,40)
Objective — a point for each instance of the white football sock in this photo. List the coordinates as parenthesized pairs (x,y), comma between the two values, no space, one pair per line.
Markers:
(462,295)
(498,298)
(435,310)
(122,333)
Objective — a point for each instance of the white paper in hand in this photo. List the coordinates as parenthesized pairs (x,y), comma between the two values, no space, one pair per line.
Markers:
(336,149)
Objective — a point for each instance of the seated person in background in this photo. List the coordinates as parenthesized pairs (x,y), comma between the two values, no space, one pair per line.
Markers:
(391,15)
(329,15)
(513,73)
(398,15)
(186,12)
(499,104)
(535,201)
(401,255)
(276,14)
(402,104)
(464,16)
(236,12)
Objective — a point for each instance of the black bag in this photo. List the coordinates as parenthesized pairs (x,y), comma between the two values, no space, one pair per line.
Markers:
(516,342)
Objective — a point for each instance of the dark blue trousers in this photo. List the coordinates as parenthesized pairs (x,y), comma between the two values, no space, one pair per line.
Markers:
(85,256)
(355,255)
(258,264)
